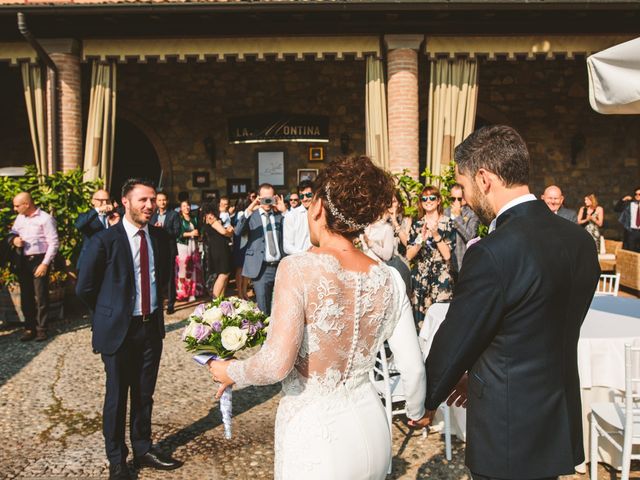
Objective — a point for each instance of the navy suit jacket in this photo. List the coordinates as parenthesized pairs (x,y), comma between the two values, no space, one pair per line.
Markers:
(625,213)
(171,226)
(89,224)
(254,256)
(106,284)
(513,324)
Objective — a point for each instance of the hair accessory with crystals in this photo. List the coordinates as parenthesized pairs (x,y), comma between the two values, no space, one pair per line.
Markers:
(336,213)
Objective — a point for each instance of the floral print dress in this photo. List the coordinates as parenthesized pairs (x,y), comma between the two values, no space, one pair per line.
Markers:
(430,273)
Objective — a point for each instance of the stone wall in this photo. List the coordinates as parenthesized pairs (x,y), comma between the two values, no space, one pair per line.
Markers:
(178,105)
(547,102)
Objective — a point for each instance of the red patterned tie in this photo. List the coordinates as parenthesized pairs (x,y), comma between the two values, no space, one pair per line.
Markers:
(145,287)
(638,216)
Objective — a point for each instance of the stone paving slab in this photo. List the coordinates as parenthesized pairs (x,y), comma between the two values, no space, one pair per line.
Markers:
(51,397)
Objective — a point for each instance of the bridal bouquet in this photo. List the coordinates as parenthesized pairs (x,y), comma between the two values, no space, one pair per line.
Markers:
(219,329)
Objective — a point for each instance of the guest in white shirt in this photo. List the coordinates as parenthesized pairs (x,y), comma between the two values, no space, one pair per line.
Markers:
(225,215)
(296,226)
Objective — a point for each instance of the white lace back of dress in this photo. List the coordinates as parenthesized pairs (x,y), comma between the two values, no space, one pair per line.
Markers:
(345,314)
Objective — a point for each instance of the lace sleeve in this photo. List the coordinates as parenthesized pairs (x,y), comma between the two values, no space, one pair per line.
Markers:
(406,352)
(278,354)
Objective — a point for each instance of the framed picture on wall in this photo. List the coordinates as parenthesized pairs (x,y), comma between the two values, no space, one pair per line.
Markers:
(200,179)
(238,187)
(271,168)
(316,154)
(307,174)
(209,195)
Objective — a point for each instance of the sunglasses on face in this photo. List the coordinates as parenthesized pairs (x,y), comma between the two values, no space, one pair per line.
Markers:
(306,195)
(294,199)
(456,199)
(431,198)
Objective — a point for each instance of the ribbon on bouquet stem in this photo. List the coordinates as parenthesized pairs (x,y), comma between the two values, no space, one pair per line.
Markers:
(226,399)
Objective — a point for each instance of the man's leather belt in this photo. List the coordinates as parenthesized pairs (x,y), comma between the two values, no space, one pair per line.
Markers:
(272,264)
(145,318)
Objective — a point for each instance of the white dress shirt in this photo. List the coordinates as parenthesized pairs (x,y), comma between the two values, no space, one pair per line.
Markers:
(295,235)
(102,218)
(134,242)
(267,256)
(529,197)
(633,210)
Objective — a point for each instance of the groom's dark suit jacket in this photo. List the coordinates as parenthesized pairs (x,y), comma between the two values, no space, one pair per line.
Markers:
(106,284)
(513,324)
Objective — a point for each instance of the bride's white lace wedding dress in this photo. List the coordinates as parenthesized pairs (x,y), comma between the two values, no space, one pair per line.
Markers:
(327,325)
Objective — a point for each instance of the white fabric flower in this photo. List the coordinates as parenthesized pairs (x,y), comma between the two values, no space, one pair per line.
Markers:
(233,338)
(244,307)
(214,314)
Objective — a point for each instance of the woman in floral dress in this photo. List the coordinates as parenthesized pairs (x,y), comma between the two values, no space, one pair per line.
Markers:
(431,241)
(591,217)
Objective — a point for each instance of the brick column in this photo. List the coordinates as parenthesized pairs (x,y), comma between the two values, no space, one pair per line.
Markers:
(65,54)
(402,101)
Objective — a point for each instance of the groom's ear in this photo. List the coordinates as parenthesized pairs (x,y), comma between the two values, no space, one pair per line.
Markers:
(483,180)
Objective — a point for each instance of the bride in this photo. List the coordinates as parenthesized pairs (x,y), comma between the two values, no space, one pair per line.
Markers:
(333,309)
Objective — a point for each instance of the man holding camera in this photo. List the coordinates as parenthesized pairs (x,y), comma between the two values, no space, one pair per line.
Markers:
(262,221)
(99,218)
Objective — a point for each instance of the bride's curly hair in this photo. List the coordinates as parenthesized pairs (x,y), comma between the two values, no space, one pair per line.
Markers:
(355,193)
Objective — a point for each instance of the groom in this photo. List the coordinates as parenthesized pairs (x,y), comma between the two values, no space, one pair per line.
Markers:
(514,321)
(123,271)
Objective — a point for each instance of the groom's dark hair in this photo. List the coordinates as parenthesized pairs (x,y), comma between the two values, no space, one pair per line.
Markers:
(498,149)
(132,182)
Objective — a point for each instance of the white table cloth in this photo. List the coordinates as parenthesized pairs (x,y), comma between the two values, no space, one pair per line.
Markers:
(614,79)
(611,322)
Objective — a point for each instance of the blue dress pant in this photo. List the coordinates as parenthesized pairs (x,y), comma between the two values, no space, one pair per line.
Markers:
(263,286)
(131,372)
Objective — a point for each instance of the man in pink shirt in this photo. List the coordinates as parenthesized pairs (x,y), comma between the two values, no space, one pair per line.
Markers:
(36,238)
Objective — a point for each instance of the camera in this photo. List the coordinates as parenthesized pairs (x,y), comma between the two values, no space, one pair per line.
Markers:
(267,201)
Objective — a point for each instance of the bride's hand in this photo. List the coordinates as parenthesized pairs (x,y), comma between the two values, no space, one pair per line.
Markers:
(425,421)
(218,370)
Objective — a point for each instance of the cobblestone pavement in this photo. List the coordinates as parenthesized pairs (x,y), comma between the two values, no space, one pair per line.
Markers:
(51,398)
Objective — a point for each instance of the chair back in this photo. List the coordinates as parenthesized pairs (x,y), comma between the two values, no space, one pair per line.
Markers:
(379,377)
(632,388)
(609,284)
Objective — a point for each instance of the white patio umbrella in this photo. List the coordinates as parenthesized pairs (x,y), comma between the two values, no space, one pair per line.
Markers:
(614,79)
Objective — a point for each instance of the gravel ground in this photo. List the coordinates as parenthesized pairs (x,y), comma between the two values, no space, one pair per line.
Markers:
(51,397)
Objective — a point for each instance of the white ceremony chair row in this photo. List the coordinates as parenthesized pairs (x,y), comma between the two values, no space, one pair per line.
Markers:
(609,284)
(616,420)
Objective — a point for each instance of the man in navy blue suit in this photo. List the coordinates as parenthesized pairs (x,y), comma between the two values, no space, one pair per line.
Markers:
(93,221)
(262,220)
(123,271)
(170,221)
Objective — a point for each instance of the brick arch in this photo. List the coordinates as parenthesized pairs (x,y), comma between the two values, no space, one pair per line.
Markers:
(164,157)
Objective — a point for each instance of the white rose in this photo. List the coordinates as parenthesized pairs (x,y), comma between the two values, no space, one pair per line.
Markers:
(214,314)
(244,307)
(233,338)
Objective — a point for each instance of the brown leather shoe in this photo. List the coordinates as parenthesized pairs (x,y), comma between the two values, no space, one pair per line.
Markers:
(28,335)
(41,335)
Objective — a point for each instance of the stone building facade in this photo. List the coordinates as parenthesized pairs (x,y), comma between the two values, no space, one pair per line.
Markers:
(173,113)
(185,103)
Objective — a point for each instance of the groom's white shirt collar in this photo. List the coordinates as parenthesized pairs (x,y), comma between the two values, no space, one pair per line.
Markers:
(529,197)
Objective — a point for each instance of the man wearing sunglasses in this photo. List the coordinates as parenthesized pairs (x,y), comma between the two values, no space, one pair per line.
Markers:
(465,223)
(296,227)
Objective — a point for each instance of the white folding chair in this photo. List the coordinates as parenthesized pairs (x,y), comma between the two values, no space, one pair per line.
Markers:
(386,380)
(616,420)
(608,284)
